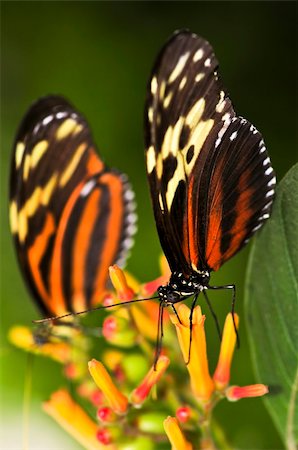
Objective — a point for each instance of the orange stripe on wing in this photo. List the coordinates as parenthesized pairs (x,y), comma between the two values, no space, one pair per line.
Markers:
(35,255)
(213,240)
(58,302)
(80,249)
(113,234)
(244,213)
(190,230)
(94,164)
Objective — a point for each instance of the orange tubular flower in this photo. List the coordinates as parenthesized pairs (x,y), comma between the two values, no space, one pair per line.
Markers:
(119,282)
(221,375)
(116,399)
(74,420)
(201,381)
(175,435)
(151,287)
(140,394)
(23,338)
(234,393)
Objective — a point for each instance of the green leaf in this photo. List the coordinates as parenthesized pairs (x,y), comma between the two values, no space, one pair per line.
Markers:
(271,301)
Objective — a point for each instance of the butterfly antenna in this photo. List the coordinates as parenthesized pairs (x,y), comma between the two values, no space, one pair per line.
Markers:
(49,319)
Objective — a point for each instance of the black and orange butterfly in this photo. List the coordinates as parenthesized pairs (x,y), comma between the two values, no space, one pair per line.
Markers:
(210,176)
(70,215)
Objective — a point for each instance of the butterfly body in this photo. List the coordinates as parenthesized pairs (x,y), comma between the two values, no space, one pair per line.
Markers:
(180,288)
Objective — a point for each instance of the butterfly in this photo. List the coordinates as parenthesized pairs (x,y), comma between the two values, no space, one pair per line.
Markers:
(70,215)
(210,176)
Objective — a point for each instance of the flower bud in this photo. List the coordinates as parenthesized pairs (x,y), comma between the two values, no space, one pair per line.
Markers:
(116,399)
(175,435)
(234,393)
(221,375)
(119,282)
(67,413)
(106,415)
(140,394)
(201,383)
(184,414)
(118,331)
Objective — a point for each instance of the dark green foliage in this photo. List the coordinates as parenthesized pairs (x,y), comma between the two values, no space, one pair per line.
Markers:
(272,308)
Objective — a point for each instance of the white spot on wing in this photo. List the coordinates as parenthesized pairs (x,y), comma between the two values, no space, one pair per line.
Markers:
(167,100)
(47,120)
(269,193)
(131,218)
(129,195)
(207,63)
(179,67)
(268,171)
(154,85)
(199,77)
(88,188)
(264,216)
(61,115)
(257,227)
(272,182)
(182,83)
(198,55)
(267,205)
(150,114)
(266,161)
(233,136)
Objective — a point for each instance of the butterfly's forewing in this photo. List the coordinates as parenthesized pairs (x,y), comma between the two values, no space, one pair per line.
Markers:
(188,122)
(56,175)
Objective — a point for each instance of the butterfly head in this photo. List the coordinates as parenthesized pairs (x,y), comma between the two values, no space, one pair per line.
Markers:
(180,287)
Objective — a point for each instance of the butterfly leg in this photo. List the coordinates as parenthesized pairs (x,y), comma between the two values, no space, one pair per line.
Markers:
(233,287)
(213,315)
(190,325)
(159,334)
(176,313)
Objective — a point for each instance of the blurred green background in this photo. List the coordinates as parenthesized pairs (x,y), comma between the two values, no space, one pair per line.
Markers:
(99,55)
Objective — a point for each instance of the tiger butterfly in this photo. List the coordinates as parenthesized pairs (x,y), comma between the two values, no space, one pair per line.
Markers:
(210,176)
(70,215)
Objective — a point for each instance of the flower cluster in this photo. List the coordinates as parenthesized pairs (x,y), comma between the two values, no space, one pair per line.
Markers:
(135,405)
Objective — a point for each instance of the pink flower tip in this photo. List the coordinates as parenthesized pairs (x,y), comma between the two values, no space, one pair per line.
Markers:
(234,393)
(106,414)
(140,394)
(183,414)
(104,436)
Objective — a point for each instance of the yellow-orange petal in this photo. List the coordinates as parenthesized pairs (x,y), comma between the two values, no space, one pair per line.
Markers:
(175,435)
(120,284)
(118,401)
(164,267)
(132,282)
(201,382)
(234,393)
(70,416)
(22,337)
(148,289)
(144,320)
(221,375)
(140,394)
